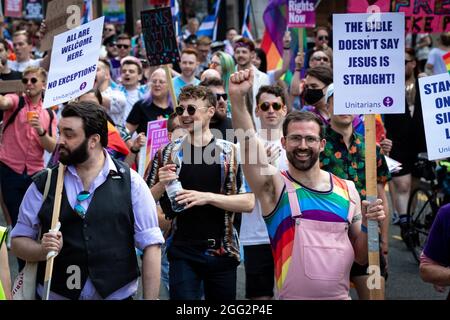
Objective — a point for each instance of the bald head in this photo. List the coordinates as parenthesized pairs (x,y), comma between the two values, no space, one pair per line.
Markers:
(209,74)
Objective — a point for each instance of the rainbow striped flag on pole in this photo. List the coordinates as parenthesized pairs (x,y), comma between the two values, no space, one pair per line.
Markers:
(275,20)
(446,58)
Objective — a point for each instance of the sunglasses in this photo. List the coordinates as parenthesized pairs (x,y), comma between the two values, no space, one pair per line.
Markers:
(224,96)
(108,29)
(32,80)
(79,209)
(122,46)
(214,64)
(265,106)
(322,38)
(320,59)
(190,110)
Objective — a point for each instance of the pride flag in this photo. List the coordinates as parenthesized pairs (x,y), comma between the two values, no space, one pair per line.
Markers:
(446,58)
(272,43)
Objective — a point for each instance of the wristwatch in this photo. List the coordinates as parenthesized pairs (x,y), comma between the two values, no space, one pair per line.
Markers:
(43,133)
(134,150)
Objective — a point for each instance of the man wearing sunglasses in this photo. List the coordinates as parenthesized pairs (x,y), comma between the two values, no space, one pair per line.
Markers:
(106,211)
(204,252)
(220,124)
(24,139)
(314,219)
(123,45)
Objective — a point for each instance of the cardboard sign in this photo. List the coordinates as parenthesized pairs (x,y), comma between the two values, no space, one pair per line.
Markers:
(430,16)
(159,36)
(57,18)
(301,14)
(13,8)
(435,98)
(11,86)
(157,137)
(368,63)
(34,10)
(74,63)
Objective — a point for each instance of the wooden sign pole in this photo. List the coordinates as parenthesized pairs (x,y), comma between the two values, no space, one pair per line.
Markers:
(376,293)
(55,220)
(300,40)
(170,84)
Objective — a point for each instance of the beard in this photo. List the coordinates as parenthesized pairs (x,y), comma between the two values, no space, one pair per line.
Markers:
(78,155)
(303,165)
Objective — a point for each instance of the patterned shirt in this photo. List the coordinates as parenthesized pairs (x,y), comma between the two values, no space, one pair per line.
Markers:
(331,206)
(349,163)
(232,182)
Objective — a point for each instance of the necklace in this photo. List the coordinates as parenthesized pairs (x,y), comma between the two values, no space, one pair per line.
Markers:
(410,96)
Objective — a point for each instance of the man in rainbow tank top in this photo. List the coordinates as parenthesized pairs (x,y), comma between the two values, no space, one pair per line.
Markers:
(316,224)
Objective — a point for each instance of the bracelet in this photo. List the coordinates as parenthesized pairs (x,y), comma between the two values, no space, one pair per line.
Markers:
(43,133)
(363,228)
(298,69)
(134,150)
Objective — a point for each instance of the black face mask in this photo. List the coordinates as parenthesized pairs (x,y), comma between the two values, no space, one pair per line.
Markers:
(312,96)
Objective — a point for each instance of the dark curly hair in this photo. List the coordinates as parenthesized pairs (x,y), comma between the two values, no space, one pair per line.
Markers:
(93,116)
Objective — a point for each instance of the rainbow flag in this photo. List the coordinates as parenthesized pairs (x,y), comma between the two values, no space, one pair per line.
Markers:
(446,58)
(272,43)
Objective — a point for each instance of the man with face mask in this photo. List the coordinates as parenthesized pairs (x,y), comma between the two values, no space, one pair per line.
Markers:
(314,89)
(314,219)
(106,211)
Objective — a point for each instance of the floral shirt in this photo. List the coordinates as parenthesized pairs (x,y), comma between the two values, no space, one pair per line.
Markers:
(349,163)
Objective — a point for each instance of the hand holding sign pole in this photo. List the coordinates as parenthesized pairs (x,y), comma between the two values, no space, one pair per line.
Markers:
(369,78)
(301,15)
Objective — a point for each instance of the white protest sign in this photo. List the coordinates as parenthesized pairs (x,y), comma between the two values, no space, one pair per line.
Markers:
(73,65)
(435,98)
(369,63)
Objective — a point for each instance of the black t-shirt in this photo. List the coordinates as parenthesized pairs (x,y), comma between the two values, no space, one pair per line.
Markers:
(223,126)
(200,222)
(142,113)
(13,75)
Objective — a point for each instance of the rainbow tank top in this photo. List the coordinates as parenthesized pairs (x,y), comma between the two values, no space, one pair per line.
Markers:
(328,206)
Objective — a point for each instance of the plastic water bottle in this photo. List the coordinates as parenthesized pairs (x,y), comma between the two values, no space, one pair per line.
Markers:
(172,188)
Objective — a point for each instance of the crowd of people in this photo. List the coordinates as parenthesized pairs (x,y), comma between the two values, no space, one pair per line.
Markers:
(269,175)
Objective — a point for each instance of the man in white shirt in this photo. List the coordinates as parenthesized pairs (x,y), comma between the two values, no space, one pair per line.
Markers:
(131,74)
(244,52)
(22,48)
(114,101)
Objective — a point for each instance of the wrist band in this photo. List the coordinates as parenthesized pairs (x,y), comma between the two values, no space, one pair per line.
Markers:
(363,228)
(134,150)
(286,48)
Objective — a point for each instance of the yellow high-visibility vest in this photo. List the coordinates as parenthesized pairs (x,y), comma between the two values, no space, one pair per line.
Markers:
(2,292)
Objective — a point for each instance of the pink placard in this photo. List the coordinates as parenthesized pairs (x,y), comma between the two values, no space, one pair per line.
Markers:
(156,137)
(13,8)
(302,13)
(420,16)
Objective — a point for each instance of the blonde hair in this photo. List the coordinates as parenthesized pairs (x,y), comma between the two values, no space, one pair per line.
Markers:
(40,71)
